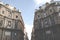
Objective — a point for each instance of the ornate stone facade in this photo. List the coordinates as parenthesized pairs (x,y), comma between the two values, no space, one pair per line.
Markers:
(11,23)
(47,22)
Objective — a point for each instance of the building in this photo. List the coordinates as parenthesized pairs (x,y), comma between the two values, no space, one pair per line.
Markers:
(33,34)
(47,22)
(25,36)
(11,23)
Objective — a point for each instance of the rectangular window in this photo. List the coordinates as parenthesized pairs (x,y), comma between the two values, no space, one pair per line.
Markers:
(2,12)
(7,33)
(44,14)
(48,32)
(59,14)
(1,23)
(42,24)
(0,34)
(9,24)
(0,6)
(46,24)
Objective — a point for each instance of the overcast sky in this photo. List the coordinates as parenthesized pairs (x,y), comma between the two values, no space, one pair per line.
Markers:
(27,8)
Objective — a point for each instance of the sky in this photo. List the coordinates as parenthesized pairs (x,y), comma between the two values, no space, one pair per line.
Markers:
(27,8)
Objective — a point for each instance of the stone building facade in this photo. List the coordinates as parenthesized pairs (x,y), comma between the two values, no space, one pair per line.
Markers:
(11,23)
(47,22)
(26,36)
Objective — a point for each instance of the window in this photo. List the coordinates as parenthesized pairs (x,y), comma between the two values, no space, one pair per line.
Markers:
(38,16)
(59,14)
(42,24)
(44,14)
(1,22)
(50,10)
(58,3)
(59,9)
(16,16)
(46,23)
(15,34)
(9,14)
(48,32)
(2,12)
(9,23)
(0,34)
(0,6)
(7,33)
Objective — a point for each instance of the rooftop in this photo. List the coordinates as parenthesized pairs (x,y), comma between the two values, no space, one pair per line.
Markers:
(10,7)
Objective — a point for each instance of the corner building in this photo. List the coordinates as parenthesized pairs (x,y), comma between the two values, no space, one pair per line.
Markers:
(11,23)
(47,22)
